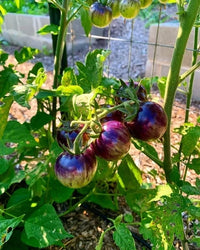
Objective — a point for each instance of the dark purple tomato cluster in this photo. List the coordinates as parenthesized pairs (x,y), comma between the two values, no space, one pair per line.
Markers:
(113,141)
(102,12)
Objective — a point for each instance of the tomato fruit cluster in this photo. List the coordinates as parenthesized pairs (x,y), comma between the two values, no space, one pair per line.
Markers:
(113,138)
(103,12)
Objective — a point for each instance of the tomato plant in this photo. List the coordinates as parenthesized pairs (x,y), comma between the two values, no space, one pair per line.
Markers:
(48,170)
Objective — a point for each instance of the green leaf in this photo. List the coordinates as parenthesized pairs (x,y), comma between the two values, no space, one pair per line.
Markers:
(6,228)
(139,199)
(195,165)
(123,237)
(104,201)
(90,74)
(162,85)
(4,150)
(68,77)
(49,29)
(43,228)
(35,173)
(58,192)
(69,90)
(128,217)
(18,3)
(145,147)
(19,202)
(39,120)
(18,133)
(8,78)
(3,57)
(190,140)
(4,165)
(189,189)
(25,54)
(4,112)
(86,20)
(129,173)
(10,177)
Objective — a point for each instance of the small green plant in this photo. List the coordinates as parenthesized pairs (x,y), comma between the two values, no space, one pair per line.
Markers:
(59,156)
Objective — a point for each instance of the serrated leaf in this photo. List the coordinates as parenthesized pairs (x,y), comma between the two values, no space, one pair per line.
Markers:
(5,105)
(25,54)
(39,120)
(123,237)
(8,78)
(90,74)
(44,228)
(49,29)
(6,228)
(68,77)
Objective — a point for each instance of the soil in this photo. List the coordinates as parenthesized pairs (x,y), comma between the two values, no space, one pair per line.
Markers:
(127,60)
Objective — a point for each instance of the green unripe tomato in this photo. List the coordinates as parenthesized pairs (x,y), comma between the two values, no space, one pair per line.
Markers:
(163,1)
(101,15)
(145,3)
(129,8)
(114,5)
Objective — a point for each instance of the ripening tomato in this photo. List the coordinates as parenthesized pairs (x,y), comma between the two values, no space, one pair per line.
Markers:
(113,142)
(163,1)
(145,3)
(114,5)
(150,122)
(101,15)
(129,8)
(76,171)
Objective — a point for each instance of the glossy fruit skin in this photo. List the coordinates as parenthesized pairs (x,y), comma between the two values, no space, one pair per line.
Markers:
(114,5)
(101,15)
(113,142)
(150,122)
(145,3)
(129,8)
(115,115)
(67,138)
(76,171)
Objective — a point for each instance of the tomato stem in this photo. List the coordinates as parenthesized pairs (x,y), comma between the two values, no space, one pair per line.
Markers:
(58,56)
(187,19)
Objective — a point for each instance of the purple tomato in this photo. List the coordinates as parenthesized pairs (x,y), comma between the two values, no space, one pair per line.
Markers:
(76,171)
(150,122)
(113,142)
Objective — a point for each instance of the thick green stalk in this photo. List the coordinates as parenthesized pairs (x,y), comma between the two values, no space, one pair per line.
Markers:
(58,56)
(194,60)
(187,19)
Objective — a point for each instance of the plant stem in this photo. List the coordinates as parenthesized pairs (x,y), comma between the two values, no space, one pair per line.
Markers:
(58,56)
(78,204)
(187,19)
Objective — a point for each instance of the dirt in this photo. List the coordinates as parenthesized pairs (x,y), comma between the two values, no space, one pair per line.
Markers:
(87,223)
